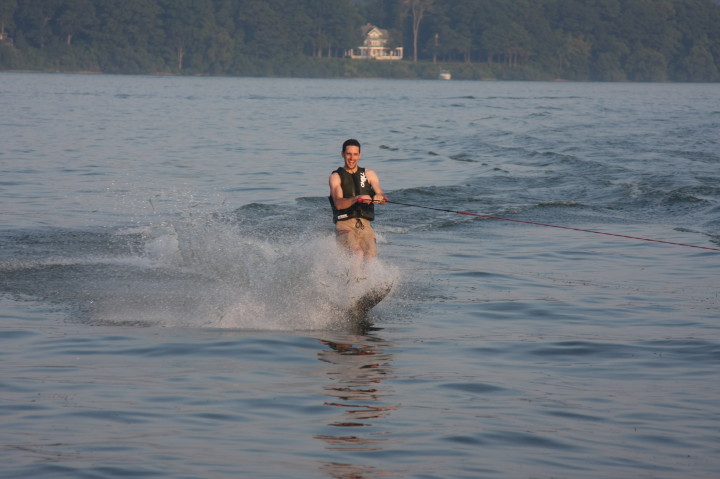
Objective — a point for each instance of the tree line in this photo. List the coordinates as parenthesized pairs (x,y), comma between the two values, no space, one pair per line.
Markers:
(581,40)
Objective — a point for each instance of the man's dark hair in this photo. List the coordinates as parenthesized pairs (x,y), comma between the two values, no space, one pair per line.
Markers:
(351,142)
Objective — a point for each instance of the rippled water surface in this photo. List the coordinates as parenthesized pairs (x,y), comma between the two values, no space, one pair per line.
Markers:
(171,295)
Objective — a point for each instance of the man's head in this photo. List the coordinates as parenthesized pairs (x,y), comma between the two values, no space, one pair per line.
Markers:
(350,142)
(351,154)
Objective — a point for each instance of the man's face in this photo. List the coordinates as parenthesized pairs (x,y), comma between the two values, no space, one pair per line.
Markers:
(351,156)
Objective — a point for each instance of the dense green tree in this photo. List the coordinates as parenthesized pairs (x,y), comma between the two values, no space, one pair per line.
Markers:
(32,20)
(386,14)
(7,11)
(699,65)
(454,25)
(416,10)
(260,21)
(606,40)
(127,37)
(608,65)
(646,65)
(189,27)
(74,17)
(333,27)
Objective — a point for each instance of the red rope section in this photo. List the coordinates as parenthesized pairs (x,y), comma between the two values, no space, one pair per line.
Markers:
(560,227)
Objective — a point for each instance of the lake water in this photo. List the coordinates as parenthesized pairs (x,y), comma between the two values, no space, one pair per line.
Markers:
(171,291)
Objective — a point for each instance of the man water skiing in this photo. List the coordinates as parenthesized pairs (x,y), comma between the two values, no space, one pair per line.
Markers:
(354,191)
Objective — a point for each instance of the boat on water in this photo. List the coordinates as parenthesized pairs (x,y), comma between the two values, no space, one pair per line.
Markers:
(444,75)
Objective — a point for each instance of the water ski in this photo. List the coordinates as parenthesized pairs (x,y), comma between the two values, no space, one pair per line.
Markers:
(362,305)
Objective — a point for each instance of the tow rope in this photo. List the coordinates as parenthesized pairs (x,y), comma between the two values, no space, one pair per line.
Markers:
(490,217)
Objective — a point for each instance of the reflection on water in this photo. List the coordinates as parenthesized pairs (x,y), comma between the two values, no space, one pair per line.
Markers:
(358,366)
(350,471)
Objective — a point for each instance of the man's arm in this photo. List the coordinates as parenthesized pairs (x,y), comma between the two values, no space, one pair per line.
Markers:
(375,183)
(336,193)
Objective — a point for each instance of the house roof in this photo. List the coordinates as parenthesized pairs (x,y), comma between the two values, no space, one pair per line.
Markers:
(369,28)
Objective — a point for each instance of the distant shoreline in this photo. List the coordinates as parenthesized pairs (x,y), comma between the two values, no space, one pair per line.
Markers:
(455,77)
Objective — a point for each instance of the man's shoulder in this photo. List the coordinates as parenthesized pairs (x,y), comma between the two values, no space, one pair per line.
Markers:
(335,176)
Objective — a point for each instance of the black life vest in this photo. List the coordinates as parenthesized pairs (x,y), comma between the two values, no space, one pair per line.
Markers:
(354,184)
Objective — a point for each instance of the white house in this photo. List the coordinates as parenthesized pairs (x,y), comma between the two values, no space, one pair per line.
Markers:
(374,47)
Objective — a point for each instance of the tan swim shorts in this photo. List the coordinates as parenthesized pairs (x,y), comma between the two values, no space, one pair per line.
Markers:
(356,234)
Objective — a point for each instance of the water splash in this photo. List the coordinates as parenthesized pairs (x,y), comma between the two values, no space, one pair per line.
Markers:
(274,282)
(200,270)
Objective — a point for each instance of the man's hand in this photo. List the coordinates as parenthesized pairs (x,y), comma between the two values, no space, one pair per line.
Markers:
(380,199)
